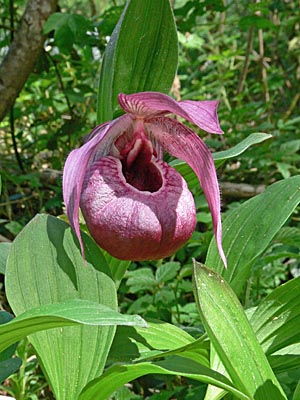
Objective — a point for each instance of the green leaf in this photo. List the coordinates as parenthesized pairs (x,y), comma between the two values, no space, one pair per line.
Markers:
(220,157)
(140,279)
(248,230)
(276,320)
(213,392)
(68,29)
(68,313)
(118,267)
(5,317)
(296,395)
(290,147)
(233,338)
(256,21)
(140,56)
(276,325)
(136,343)
(254,138)
(116,376)
(4,249)
(45,267)
(8,367)
(285,359)
(167,271)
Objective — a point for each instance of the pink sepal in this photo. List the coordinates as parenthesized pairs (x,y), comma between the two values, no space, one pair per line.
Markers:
(150,104)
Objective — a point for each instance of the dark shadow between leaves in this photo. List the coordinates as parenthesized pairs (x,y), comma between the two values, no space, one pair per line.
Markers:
(125,345)
(57,230)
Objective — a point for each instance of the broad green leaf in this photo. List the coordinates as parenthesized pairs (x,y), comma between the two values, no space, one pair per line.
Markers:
(116,376)
(276,321)
(136,343)
(4,249)
(71,312)
(233,338)
(167,271)
(290,146)
(248,230)
(276,324)
(140,56)
(8,367)
(44,267)
(140,279)
(220,157)
(285,359)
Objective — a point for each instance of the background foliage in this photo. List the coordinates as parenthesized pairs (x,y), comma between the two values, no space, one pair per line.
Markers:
(246,55)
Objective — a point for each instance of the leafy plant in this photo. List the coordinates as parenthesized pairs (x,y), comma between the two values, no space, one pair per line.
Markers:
(203,331)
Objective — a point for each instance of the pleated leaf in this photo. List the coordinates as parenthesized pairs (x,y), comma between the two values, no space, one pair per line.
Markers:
(159,339)
(276,321)
(142,54)
(248,230)
(118,375)
(233,338)
(45,267)
(285,359)
(68,313)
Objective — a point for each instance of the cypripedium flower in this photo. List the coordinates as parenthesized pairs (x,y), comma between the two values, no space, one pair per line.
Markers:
(135,205)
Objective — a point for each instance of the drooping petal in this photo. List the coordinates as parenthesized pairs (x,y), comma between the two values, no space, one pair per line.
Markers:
(151,104)
(78,162)
(183,143)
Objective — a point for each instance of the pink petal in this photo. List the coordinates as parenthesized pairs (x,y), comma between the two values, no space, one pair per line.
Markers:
(132,224)
(151,104)
(183,143)
(78,162)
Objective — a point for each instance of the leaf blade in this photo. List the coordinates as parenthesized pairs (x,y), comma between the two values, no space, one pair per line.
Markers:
(233,338)
(72,312)
(118,375)
(248,230)
(45,266)
(141,56)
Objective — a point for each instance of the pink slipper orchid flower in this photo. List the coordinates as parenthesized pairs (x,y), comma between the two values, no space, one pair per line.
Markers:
(135,205)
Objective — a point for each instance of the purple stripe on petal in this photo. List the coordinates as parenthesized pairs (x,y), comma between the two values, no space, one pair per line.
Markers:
(151,104)
(203,114)
(183,143)
(78,162)
(133,224)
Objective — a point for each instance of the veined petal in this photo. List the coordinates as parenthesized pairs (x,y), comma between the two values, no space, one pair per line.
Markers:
(151,104)
(183,143)
(78,162)
(133,224)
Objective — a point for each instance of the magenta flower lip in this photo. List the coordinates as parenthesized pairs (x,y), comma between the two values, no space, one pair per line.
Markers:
(136,206)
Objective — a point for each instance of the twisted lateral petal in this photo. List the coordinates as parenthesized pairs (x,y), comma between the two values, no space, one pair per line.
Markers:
(151,104)
(78,162)
(183,143)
